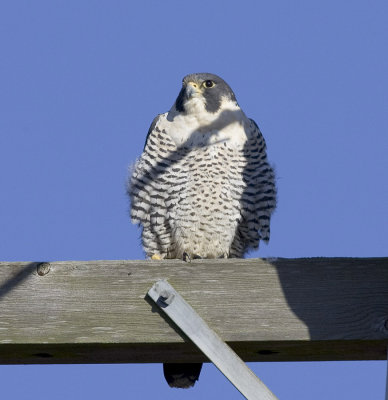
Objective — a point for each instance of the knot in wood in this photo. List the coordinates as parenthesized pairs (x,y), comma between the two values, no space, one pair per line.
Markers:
(43,268)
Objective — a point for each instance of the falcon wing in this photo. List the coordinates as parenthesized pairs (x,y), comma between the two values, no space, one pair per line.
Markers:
(147,184)
(258,199)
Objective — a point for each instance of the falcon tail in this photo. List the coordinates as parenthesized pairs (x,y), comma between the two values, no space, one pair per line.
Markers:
(181,376)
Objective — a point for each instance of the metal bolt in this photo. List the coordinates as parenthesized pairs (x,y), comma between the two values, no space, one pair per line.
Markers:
(167,296)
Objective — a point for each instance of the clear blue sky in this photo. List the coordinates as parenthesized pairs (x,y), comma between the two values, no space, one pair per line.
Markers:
(80,83)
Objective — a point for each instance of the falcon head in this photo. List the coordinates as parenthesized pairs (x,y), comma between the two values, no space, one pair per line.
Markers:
(203,91)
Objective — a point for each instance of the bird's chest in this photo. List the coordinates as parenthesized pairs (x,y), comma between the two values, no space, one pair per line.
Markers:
(209,181)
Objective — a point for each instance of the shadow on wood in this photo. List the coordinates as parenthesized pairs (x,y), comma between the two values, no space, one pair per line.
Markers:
(20,276)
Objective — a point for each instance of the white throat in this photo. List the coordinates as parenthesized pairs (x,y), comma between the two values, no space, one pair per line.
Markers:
(199,127)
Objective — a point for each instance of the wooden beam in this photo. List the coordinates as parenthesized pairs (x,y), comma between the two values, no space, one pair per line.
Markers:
(266,310)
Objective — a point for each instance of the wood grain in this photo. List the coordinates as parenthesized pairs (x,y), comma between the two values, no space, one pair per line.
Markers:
(278,309)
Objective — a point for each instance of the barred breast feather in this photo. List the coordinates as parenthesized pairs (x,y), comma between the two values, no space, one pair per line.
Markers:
(209,198)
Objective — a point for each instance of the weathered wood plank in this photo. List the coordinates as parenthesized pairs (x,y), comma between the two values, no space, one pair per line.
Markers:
(278,309)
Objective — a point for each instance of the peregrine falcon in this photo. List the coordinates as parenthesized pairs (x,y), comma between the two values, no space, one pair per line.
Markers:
(203,187)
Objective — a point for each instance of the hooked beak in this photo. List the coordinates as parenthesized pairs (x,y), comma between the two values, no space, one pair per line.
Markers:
(191,89)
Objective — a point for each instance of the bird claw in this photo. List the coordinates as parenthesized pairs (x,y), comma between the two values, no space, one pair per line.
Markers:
(186,257)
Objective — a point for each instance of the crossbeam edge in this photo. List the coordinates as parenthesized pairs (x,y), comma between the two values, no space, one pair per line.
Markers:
(265,309)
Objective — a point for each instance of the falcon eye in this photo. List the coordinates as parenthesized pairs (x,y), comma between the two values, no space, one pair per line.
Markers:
(208,83)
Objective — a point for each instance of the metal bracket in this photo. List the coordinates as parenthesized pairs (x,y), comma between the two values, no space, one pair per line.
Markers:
(222,356)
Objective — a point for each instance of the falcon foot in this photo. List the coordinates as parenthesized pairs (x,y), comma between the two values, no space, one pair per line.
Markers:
(156,257)
(186,257)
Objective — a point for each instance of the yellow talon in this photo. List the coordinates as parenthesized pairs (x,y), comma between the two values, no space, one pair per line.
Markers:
(156,257)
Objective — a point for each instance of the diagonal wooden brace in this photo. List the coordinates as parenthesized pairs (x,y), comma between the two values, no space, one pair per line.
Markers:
(222,356)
